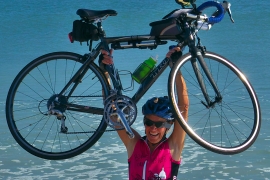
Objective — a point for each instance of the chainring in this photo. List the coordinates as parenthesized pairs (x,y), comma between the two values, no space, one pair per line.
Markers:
(127,107)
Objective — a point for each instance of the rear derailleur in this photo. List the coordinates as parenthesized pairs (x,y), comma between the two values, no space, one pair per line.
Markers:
(57,106)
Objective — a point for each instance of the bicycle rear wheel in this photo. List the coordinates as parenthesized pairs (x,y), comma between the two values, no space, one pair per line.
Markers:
(232,125)
(27,111)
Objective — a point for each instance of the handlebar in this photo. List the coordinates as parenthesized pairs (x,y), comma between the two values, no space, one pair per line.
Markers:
(222,8)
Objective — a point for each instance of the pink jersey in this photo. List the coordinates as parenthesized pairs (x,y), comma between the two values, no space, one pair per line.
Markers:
(146,165)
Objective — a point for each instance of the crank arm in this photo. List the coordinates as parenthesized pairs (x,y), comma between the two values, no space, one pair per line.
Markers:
(122,117)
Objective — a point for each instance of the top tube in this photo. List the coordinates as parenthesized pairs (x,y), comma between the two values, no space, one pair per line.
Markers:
(137,38)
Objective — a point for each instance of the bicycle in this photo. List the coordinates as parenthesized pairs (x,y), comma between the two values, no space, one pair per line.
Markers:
(61,103)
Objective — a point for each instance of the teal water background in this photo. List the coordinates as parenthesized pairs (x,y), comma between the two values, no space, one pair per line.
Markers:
(33,28)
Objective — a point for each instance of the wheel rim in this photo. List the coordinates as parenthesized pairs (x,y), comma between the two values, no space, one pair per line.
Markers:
(38,132)
(232,125)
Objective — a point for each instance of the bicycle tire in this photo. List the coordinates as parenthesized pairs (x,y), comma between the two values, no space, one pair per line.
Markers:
(231,126)
(35,130)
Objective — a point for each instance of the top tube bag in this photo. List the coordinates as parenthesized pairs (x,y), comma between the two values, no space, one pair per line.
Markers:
(165,27)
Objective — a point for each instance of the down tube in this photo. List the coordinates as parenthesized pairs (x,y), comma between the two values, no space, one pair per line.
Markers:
(150,79)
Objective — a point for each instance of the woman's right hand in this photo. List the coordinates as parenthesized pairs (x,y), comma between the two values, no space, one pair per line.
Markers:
(172,51)
(106,57)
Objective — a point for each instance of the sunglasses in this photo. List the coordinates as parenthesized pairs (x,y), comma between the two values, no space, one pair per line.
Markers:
(158,124)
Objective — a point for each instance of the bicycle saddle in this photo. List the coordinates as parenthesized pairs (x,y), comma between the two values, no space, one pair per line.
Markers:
(93,14)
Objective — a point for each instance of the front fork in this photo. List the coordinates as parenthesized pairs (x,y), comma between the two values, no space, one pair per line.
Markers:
(197,56)
(196,53)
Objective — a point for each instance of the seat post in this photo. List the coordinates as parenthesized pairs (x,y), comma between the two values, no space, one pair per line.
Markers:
(100,29)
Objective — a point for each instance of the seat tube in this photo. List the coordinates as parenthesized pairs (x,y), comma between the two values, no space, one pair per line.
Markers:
(113,73)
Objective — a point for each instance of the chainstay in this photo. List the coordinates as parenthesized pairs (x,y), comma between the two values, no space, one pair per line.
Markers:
(88,132)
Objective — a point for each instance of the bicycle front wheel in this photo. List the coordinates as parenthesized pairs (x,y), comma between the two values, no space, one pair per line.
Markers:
(230,126)
(27,107)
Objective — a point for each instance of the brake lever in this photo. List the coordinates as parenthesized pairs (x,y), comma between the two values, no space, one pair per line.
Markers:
(230,14)
(227,6)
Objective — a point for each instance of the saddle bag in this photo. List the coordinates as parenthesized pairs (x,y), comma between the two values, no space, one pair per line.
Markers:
(84,32)
(165,27)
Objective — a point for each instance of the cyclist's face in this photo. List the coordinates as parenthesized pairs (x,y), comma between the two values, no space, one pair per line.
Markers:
(154,134)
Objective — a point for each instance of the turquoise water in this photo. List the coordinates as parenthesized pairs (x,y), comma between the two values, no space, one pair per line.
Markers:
(30,29)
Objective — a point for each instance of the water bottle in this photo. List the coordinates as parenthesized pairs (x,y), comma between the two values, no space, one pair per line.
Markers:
(143,70)
(162,174)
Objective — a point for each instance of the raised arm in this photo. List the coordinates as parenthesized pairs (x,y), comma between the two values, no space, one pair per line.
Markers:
(106,58)
(177,138)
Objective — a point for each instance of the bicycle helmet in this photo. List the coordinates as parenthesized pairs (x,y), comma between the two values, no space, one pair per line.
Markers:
(159,106)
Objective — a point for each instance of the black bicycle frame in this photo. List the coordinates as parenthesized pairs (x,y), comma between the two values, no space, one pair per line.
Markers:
(141,41)
(138,42)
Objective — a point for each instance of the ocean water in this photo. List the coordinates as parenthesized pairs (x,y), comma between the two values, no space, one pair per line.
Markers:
(33,28)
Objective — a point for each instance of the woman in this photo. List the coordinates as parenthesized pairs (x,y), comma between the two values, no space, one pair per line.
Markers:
(155,156)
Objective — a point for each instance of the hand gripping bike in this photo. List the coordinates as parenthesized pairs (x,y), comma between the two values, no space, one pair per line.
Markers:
(61,103)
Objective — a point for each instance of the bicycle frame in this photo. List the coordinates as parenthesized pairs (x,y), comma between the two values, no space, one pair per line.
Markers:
(154,75)
(141,41)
